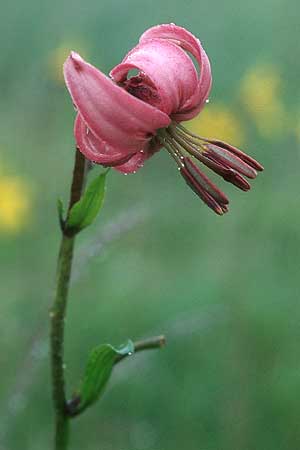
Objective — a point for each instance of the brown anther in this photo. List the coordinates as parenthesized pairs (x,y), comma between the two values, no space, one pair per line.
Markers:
(203,187)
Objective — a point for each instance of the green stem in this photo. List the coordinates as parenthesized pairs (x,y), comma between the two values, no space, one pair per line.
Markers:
(145,344)
(58,313)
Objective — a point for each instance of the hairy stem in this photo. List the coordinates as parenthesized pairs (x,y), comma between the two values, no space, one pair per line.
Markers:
(58,312)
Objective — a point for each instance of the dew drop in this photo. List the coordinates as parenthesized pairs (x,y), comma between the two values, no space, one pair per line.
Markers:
(125,173)
(64,366)
(207,100)
(129,353)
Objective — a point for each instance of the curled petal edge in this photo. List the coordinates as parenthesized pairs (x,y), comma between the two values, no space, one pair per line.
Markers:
(191,44)
(168,68)
(102,153)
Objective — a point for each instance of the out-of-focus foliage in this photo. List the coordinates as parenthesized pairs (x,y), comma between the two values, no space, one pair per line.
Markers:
(225,291)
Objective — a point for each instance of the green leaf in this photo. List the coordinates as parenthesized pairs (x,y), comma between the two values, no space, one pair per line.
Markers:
(98,371)
(84,212)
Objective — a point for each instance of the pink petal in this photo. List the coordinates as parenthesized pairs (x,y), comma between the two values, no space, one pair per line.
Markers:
(202,180)
(112,114)
(169,69)
(135,163)
(96,149)
(100,152)
(137,160)
(190,43)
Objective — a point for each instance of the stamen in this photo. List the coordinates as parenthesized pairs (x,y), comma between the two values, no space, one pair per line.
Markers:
(164,139)
(188,146)
(205,196)
(246,158)
(190,137)
(205,182)
(224,156)
(189,133)
(225,172)
(230,148)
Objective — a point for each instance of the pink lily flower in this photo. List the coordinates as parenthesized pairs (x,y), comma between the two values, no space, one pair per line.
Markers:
(122,121)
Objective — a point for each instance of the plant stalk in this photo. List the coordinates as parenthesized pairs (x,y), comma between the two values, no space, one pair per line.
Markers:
(58,312)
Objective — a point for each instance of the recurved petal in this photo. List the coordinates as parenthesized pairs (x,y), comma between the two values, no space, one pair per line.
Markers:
(137,160)
(96,149)
(170,70)
(135,163)
(112,114)
(190,43)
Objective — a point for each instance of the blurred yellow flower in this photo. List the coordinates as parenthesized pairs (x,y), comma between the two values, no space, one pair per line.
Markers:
(15,204)
(260,93)
(217,121)
(58,56)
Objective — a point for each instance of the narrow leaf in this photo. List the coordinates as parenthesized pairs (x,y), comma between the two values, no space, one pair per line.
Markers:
(84,212)
(98,371)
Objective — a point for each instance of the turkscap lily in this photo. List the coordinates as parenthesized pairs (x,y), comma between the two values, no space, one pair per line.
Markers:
(122,121)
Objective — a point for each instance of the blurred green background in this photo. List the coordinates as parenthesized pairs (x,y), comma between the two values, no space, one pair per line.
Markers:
(224,290)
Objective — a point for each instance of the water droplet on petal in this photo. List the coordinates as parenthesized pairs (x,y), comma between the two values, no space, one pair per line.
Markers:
(125,173)
(207,100)
(129,353)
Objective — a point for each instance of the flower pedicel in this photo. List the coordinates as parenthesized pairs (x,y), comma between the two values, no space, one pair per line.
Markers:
(122,121)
